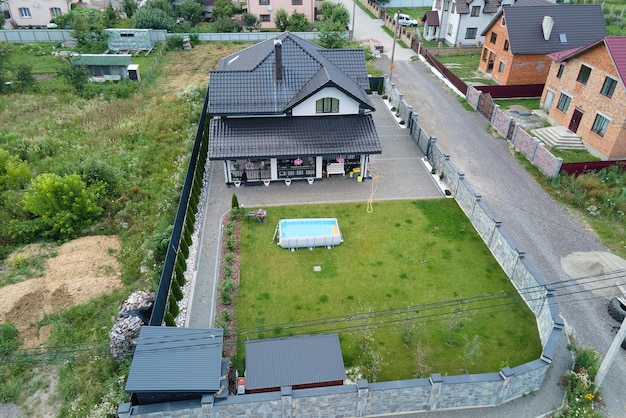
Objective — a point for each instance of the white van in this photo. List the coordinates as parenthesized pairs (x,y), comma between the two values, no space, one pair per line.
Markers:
(406,20)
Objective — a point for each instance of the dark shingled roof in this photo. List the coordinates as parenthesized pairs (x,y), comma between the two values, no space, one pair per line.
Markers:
(233,138)
(615,45)
(245,84)
(580,24)
(171,359)
(432,18)
(491,6)
(293,361)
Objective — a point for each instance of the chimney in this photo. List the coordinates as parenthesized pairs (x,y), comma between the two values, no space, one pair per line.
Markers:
(278,59)
(546,25)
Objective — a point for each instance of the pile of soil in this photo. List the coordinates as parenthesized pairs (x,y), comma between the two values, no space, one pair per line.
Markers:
(83,269)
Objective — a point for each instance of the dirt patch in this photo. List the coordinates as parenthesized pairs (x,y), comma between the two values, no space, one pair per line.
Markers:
(596,271)
(83,269)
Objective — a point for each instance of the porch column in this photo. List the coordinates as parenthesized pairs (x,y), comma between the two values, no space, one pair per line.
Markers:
(227,171)
(364,165)
(319,166)
(274,168)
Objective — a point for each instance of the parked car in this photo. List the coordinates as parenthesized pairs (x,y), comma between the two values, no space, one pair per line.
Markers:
(406,20)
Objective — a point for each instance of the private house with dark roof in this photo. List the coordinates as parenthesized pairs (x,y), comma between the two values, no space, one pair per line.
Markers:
(585,91)
(460,22)
(519,37)
(298,362)
(266,10)
(288,109)
(174,364)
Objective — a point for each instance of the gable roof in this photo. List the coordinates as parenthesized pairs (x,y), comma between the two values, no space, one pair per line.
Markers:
(615,46)
(171,359)
(245,82)
(278,362)
(102,59)
(579,23)
(234,138)
(432,18)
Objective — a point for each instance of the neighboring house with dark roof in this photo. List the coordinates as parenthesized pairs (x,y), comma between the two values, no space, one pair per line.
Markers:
(173,364)
(299,362)
(585,91)
(519,37)
(288,109)
(266,10)
(460,22)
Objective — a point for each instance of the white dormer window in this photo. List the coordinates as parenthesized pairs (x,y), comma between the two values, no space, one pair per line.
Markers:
(327,105)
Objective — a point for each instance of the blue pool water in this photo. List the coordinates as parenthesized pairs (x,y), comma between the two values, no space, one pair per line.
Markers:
(314,232)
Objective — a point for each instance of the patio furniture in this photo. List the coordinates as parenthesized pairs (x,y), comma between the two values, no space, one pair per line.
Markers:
(335,168)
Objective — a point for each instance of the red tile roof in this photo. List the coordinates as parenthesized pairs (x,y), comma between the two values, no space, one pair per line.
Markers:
(615,45)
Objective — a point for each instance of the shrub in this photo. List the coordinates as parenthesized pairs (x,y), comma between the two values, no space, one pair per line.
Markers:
(226,298)
(173,307)
(234,202)
(174,42)
(228,285)
(231,244)
(177,291)
(229,257)
(64,205)
(226,315)
(169,320)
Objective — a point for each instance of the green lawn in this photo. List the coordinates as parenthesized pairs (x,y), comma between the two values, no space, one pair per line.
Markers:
(424,255)
(466,68)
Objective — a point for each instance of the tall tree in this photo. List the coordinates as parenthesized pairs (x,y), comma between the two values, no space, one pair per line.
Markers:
(129,7)
(191,11)
(281,19)
(223,8)
(298,22)
(153,18)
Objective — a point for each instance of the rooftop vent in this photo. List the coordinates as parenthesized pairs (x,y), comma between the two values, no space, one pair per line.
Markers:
(546,25)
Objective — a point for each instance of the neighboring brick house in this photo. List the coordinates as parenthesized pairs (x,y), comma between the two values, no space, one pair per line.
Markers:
(265,10)
(585,92)
(519,37)
(460,22)
(36,13)
(288,109)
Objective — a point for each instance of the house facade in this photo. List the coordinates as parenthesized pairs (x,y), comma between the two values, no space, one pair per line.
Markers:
(520,36)
(460,22)
(36,13)
(585,91)
(287,109)
(265,10)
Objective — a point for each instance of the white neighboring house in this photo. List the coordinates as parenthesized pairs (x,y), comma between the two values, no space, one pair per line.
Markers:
(35,13)
(461,22)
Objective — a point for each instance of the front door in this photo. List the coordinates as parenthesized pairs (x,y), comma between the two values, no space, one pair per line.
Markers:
(576,117)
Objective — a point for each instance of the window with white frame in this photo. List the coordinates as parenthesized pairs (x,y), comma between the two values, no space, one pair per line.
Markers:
(559,72)
(438,5)
(264,2)
(493,38)
(475,11)
(327,105)
(600,124)
(564,102)
(470,33)
(24,12)
(547,104)
(450,27)
(55,11)
(608,88)
(506,44)
(501,67)
(446,5)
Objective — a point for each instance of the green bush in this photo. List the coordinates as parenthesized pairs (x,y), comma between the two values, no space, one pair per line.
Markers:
(173,306)
(226,298)
(9,339)
(231,244)
(176,291)
(234,202)
(174,42)
(64,205)
(169,320)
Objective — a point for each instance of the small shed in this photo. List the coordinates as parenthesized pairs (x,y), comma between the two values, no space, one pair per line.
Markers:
(105,67)
(129,39)
(300,362)
(174,364)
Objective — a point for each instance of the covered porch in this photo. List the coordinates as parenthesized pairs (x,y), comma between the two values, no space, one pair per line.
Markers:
(264,150)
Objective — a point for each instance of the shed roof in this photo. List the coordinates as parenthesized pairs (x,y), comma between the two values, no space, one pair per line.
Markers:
(293,361)
(615,46)
(287,136)
(524,27)
(432,18)
(171,359)
(245,82)
(102,59)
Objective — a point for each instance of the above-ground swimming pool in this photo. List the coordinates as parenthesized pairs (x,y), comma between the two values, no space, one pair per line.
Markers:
(308,233)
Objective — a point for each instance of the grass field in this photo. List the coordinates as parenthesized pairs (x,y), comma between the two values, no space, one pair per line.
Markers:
(424,255)
(466,68)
